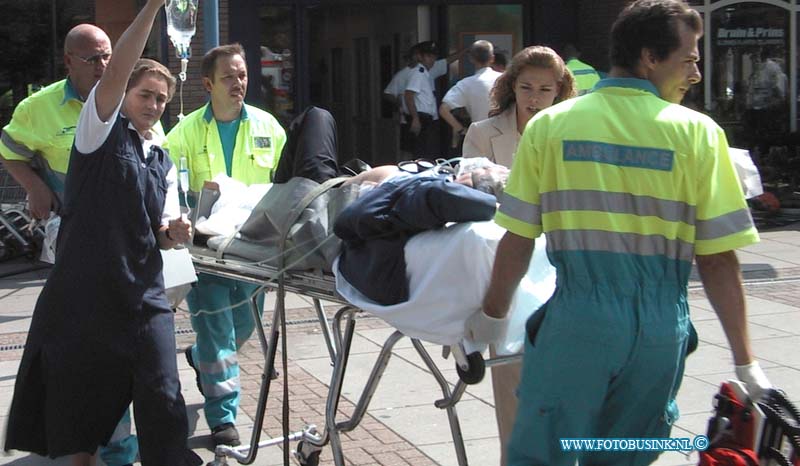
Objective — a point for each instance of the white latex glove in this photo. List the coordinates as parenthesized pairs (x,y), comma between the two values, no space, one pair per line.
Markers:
(754,379)
(484,329)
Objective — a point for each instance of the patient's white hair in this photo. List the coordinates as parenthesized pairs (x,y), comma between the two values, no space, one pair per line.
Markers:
(487,176)
(468,164)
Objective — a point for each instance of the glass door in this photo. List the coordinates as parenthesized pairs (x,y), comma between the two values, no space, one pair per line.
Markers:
(277,61)
(749,73)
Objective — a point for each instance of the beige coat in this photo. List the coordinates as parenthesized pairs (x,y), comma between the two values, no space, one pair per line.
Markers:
(495,138)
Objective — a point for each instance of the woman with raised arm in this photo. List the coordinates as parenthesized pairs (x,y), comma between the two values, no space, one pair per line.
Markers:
(102,333)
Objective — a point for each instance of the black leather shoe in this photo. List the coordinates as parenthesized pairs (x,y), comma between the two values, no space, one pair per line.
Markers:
(225,434)
(188,353)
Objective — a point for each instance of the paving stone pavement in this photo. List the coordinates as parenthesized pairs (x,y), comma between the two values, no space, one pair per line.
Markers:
(402,427)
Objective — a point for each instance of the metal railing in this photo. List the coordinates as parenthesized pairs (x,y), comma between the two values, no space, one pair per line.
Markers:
(10,191)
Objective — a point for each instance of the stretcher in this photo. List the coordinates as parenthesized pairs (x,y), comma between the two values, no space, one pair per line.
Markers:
(338,336)
(19,235)
(322,285)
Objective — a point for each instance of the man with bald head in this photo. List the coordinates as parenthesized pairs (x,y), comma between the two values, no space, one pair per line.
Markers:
(35,148)
(472,92)
(35,145)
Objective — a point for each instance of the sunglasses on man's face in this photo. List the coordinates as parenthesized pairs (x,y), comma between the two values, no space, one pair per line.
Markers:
(94,59)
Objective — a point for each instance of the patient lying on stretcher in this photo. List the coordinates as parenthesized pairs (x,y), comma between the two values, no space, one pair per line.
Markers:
(375,228)
(418,248)
(428,247)
(311,153)
(235,200)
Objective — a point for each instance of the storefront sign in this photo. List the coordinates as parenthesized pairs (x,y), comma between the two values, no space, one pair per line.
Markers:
(750,36)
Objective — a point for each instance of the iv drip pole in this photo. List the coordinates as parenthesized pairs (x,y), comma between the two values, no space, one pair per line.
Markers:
(210,24)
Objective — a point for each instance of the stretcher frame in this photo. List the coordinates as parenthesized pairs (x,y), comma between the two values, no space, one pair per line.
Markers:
(338,336)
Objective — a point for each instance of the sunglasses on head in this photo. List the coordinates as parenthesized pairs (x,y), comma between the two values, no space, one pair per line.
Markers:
(439,166)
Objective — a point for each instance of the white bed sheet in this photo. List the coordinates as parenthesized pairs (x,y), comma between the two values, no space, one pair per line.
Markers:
(448,272)
(234,206)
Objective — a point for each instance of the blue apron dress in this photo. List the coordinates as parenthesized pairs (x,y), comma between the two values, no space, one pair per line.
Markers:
(102,333)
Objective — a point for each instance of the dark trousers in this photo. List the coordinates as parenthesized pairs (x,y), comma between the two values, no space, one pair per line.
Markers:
(426,143)
(158,406)
(311,148)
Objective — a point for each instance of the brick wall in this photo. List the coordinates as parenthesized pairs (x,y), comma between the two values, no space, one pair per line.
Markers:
(194,96)
(115,16)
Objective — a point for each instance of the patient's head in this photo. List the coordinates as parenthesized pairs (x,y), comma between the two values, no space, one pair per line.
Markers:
(490,179)
(479,173)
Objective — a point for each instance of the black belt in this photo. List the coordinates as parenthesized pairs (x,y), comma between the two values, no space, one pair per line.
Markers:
(421,115)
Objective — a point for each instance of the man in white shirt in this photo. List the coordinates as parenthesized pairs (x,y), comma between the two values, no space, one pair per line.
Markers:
(394,91)
(472,92)
(418,134)
(393,94)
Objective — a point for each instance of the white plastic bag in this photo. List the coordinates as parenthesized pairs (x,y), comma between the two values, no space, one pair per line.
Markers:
(234,206)
(534,290)
(748,173)
(178,273)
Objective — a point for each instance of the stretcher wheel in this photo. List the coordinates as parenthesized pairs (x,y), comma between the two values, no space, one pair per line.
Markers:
(307,455)
(476,371)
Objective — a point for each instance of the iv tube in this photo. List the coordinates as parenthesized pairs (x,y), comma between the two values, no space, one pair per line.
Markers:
(183,180)
(183,187)
(182,76)
(181,26)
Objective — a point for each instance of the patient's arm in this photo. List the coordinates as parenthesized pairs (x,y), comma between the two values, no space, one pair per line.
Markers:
(375,175)
(510,265)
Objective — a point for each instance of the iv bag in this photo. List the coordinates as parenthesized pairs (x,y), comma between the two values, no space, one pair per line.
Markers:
(181,16)
(183,175)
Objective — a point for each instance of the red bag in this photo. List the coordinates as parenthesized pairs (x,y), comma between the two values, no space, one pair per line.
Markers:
(732,431)
(742,432)
(718,455)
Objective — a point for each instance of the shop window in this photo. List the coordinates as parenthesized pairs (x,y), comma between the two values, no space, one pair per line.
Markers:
(277,60)
(749,70)
(499,24)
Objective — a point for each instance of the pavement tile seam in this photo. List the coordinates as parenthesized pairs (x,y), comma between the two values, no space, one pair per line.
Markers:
(725,347)
(775,326)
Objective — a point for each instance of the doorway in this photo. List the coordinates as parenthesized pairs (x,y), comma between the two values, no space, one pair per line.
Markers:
(354,51)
